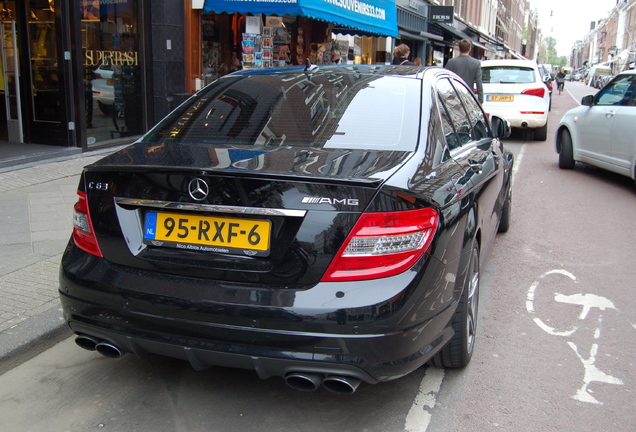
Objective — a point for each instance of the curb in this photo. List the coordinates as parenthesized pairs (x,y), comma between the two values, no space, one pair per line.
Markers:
(32,337)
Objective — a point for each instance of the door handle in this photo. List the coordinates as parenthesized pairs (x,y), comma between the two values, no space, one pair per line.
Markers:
(609,114)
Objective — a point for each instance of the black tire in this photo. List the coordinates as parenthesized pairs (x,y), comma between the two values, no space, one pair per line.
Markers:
(106,109)
(566,155)
(504,223)
(541,134)
(459,350)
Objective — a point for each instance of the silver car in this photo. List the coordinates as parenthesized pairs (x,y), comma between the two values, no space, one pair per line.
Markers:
(600,132)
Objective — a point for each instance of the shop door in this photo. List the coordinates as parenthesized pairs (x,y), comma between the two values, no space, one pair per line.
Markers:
(10,83)
(46,119)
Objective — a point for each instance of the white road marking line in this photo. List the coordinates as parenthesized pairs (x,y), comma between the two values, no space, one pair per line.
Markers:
(592,373)
(517,163)
(419,416)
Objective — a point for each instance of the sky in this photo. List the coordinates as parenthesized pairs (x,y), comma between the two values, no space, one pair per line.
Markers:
(570,20)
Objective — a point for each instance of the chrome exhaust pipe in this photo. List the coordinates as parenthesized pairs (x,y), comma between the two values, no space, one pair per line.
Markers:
(108,350)
(87,342)
(303,381)
(342,385)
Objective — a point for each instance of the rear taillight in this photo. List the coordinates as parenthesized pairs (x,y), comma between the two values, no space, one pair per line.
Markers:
(383,244)
(535,92)
(83,233)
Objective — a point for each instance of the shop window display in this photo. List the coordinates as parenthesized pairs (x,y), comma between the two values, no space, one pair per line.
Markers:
(232,42)
(113,70)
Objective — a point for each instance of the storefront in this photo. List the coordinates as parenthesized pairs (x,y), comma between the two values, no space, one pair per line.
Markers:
(238,34)
(412,20)
(71,71)
(87,73)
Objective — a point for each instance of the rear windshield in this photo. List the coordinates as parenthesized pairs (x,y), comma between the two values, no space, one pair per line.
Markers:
(323,110)
(507,75)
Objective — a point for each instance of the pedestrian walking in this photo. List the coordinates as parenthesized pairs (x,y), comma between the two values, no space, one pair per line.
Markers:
(401,55)
(468,68)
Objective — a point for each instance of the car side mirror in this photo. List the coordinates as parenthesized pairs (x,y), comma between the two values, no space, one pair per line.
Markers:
(500,127)
(587,100)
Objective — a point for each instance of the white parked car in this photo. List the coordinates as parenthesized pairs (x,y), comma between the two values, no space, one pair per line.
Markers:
(514,90)
(103,88)
(600,132)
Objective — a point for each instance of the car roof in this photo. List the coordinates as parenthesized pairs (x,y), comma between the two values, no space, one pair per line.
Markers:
(509,62)
(388,70)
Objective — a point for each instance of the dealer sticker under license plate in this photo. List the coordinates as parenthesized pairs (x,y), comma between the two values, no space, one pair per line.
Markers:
(208,233)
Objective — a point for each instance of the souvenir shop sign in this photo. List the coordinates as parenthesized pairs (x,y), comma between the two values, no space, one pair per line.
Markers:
(377,17)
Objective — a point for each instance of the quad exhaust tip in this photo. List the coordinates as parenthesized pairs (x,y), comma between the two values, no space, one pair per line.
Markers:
(303,381)
(309,382)
(108,350)
(87,342)
(342,385)
(101,346)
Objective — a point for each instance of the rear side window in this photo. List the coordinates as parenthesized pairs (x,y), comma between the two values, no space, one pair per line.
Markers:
(455,114)
(507,75)
(478,121)
(321,110)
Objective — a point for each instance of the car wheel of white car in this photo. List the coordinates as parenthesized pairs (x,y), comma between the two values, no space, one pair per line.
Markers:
(566,155)
(459,350)
(541,134)
(105,109)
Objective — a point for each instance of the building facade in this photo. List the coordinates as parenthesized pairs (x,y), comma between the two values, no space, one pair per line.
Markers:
(611,40)
(86,73)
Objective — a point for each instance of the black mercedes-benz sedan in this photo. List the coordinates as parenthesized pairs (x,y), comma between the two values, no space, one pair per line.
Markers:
(326,225)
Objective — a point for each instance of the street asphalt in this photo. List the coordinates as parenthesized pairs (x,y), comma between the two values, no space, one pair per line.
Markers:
(36,214)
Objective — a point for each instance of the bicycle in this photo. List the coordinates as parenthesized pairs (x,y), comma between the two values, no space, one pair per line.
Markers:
(560,84)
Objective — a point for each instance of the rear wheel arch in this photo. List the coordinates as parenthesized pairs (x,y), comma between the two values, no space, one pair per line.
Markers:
(458,351)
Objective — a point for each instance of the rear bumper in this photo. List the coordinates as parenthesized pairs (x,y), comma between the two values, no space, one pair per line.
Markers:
(518,120)
(380,333)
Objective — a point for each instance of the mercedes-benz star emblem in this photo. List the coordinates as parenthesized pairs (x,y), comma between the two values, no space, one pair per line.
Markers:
(198,189)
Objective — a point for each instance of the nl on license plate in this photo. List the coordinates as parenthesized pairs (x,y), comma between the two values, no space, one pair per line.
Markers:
(208,233)
(497,98)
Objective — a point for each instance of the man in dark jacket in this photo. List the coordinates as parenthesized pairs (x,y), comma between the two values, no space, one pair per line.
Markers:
(468,68)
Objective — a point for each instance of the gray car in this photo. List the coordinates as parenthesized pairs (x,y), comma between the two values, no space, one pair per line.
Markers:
(600,132)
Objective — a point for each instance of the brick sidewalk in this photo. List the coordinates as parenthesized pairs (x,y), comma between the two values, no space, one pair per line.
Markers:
(36,211)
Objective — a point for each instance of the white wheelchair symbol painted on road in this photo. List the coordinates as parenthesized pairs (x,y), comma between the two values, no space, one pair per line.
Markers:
(587,302)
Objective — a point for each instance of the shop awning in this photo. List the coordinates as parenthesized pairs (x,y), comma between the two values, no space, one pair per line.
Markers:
(452,30)
(457,34)
(376,17)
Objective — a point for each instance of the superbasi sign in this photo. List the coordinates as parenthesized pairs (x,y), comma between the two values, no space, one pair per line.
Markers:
(114,58)
(441,14)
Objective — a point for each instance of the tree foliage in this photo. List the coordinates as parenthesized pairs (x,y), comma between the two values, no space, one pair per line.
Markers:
(548,53)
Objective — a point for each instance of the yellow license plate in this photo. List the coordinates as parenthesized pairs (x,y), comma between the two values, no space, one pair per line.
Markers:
(110,82)
(496,98)
(208,233)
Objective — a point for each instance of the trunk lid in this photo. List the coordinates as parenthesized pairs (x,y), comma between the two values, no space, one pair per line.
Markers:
(235,214)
